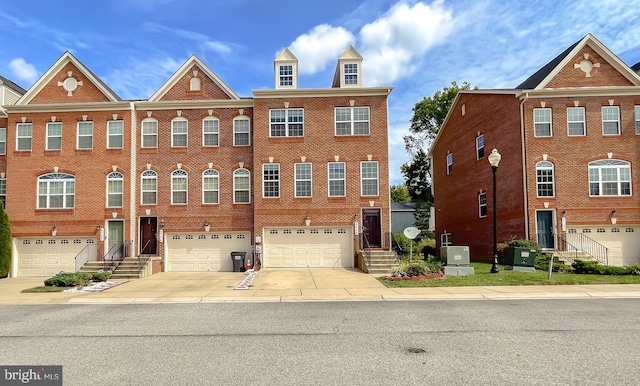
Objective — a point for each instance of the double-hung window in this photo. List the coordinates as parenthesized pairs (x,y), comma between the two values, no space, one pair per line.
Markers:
(352,120)
(286,122)
(115,134)
(337,181)
(636,110)
(286,75)
(271,180)
(24,131)
(210,187)
(85,135)
(210,132)
(575,121)
(3,140)
(179,132)
(54,136)
(449,163)
(350,73)
(115,190)
(369,178)
(610,178)
(482,205)
(241,186)
(241,131)
(56,191)
(610,120)
(303,180)
(544,179)
(179,187)
(542,122)
(149,187)
(3,192)
(445,239)
(480,146)
(149,133)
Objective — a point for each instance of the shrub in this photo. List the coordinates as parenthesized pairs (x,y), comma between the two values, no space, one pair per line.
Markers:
(5,243)
(101,276)
(587,267)
(502,248)
(416,268)
(68,279)
(402,244)
(542,263)
(427,247)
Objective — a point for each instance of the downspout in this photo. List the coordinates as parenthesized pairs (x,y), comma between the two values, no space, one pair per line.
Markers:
(524,168)
(133,178)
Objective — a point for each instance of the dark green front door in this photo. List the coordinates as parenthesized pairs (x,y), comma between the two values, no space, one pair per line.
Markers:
(116,238)
(544,221)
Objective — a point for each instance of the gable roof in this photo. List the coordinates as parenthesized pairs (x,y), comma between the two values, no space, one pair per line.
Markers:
(285,55)
(67,57)
(349,54)
(542,77)
(12,85)
(182,71)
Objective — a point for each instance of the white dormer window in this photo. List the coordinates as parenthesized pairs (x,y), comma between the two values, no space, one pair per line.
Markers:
(286,75)
(285,68)
(351,74)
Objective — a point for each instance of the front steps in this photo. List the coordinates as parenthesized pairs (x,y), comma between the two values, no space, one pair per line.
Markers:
(382,262)
(570,257)
(128,269)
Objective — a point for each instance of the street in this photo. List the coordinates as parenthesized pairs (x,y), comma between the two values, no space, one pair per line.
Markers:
(510,342)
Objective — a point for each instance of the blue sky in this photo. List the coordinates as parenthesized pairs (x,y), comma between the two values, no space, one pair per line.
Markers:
(417,47)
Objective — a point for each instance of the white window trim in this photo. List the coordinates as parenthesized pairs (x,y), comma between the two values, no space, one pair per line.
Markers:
(617,120)
(148,175)
(445,239)
(550,122)
(65,178)
(274,181)
(583,121)
(541,166)
(246,175)
(84,135)
(248,132)
(286,122)
(610,164)
(174,134)
(115,176)
(142,133)
(3,191)
(363,179)
(636,110)
(49,136)
(449,163)
(296,179)
(215,133)
(109,135)
(478,147)
(180,174)
(481,205)
(211,174)
(344,74)
(352,120)
(3,133)
(344,179)
(281,76)
(18,136)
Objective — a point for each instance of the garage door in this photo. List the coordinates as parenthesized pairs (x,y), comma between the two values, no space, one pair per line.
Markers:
(192,252)
(48,256)
(623,242)
(308,247)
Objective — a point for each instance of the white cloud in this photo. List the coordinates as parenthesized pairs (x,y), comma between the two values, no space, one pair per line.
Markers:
(393,45)
(322,44)
(23,70)
(143,77)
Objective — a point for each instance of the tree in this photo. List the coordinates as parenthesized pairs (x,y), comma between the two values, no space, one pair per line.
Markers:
(5,243)
(400,193)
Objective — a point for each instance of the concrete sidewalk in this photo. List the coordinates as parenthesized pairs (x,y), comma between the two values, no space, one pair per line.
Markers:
(291,285)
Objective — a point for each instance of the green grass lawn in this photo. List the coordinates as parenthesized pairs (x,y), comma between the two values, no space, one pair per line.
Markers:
(482,277)
(44,289)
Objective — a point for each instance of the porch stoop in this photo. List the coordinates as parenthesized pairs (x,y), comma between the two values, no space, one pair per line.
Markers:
(570,257)
(382,262)
(128,268)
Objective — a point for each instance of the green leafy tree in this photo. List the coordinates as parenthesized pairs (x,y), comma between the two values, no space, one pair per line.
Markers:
(5,243)
(400,193)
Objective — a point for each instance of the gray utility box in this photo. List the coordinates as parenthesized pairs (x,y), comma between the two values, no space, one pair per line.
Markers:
(455,261)
(238,261)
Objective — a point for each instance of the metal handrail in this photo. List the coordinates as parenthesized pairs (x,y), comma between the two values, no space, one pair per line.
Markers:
(142,262)
(582,244)
(111,259)
(88,253)
(367,249)
(145,247)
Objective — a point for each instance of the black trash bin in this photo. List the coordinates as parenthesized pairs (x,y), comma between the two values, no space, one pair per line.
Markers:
(238,261)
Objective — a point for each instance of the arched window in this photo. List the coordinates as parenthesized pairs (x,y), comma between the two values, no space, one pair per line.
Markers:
(544,179)
(149,187)
(194,84)
(179,187)
(210,187)
(609,177)
(149,132)
(115,190)
(56,191)
(241,186)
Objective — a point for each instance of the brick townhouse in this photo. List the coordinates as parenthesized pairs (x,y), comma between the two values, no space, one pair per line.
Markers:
(568,136)
(196,172)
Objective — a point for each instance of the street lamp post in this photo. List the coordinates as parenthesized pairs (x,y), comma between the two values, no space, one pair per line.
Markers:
(494,160)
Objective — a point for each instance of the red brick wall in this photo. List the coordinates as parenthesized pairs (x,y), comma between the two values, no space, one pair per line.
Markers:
(456,195)
(52,93)
(182,91)
(605,75)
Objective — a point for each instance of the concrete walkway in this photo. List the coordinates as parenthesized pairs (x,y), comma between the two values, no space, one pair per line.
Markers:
(291,285)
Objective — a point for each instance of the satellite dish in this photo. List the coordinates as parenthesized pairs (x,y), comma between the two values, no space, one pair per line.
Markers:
(411,232)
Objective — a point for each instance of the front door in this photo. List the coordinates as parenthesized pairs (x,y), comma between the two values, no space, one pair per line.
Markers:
(544,220)
(148,242)
(371,228)
(116,239)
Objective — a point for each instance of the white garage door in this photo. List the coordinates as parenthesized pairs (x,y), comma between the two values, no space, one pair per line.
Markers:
(308,247)
(192,252)
(623,242)
(48,256)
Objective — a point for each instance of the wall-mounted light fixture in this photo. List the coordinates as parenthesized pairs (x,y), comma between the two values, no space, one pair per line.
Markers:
(162,223)
(355,217)
(54,230)
(613,217)
(307,220)
(564,213)
(98,227)
(206,226)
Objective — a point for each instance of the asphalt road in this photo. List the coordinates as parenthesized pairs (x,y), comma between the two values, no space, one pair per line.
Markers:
(528,342)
